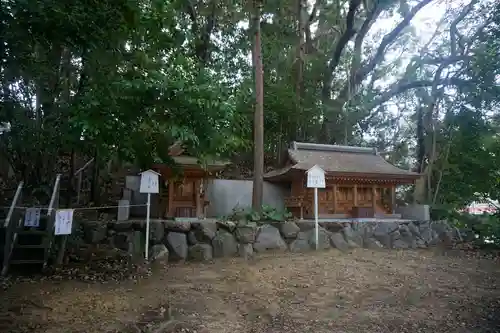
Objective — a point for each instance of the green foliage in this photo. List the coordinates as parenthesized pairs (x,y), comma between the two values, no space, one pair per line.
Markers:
(485,228)
(127,79)
(268,213)
(108,79)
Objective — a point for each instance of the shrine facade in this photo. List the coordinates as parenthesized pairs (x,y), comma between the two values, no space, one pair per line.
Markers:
(359,182)
(183,188)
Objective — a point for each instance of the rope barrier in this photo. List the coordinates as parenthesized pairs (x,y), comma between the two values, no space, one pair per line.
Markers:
(77,208)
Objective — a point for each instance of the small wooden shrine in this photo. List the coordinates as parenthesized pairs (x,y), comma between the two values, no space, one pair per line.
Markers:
(182,192)
(359,182)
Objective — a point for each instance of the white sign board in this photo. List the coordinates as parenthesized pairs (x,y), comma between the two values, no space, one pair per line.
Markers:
(32,217)
(316,177)
(150,182)
(64,221)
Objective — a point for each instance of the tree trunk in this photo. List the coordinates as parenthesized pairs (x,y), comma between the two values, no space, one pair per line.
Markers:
(420,139)
(258,184)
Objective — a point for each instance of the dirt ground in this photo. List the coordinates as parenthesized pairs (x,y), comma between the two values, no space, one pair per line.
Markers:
(360,291)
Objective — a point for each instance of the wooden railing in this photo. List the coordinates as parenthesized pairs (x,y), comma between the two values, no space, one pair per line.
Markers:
(51,211)
(82,183)
(295,201)
(11,226)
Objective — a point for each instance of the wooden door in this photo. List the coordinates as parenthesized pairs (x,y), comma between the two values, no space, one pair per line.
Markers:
(185,198)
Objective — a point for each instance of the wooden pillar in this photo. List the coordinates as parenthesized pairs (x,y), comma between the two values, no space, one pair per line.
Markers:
(355,189)
(393,199)
(374,198)
(335,198)
(198,190)
(170,205)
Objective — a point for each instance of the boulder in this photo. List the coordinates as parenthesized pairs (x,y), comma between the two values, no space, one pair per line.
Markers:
(301,243)
(420,244)
(353,237)
(372,243)
(428,234)
(333,226)
(414,230)
(122,225)
(399,244)
(178,226)
(323,239)
(205,231)
(200,252)
(137,244)
(95,233)
(224,244)
(227,225)
(177,245)
(407,236)
(383,232)
(337,241)
(394,236)
(305,225)
(245,251)
(289,230)
(121,241)
(156,232)
(269,238)
(191,238)
(245,234)
(158,252)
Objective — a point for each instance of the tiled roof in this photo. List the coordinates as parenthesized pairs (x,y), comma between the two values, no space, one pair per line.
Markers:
(340,159)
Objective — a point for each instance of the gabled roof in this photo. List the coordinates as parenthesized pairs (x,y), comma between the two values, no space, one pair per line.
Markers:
(340,160)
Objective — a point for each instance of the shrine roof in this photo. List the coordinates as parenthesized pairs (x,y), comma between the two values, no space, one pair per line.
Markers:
(190,162)
(336,159)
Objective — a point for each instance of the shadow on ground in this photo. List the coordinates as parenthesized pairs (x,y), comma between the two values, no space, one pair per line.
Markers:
(361,291)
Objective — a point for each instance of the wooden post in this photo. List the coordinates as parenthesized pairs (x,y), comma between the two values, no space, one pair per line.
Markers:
(335,198)
(393,199)
(198,196)
(374,198)
(355,189)
(170,206)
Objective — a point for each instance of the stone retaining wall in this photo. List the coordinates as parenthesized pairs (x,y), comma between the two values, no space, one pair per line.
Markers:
(203,241)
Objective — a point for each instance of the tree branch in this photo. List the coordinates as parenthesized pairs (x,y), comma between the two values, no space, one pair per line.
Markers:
(203,49)
(360,37)
(340,46)
(441,60)
(400,88)
(454,34)
(388,40)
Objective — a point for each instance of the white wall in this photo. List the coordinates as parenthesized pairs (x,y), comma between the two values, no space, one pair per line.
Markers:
(226,194)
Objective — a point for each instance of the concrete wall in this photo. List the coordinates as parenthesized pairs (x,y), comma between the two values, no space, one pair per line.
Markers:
(225,195)
(414,212)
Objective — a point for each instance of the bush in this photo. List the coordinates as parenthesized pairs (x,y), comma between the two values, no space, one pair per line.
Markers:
(268,214)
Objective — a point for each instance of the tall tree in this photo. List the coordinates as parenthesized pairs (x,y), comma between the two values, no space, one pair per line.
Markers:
(258,184)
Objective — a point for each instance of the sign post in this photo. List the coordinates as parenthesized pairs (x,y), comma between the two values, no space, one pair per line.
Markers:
(149,184)
(316,179)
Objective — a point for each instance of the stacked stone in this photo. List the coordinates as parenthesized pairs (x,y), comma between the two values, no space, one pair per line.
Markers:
(205,240)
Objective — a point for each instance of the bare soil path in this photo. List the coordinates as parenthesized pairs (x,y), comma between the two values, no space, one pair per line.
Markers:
(362,291)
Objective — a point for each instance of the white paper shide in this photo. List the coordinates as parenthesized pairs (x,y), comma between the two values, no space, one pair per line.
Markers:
(64,221)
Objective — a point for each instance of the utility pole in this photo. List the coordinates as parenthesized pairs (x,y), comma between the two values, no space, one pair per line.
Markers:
(258,125)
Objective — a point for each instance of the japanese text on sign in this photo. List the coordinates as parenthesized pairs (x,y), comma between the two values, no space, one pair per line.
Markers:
(149,182)
(32,217)
(64,221)
(316,177)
